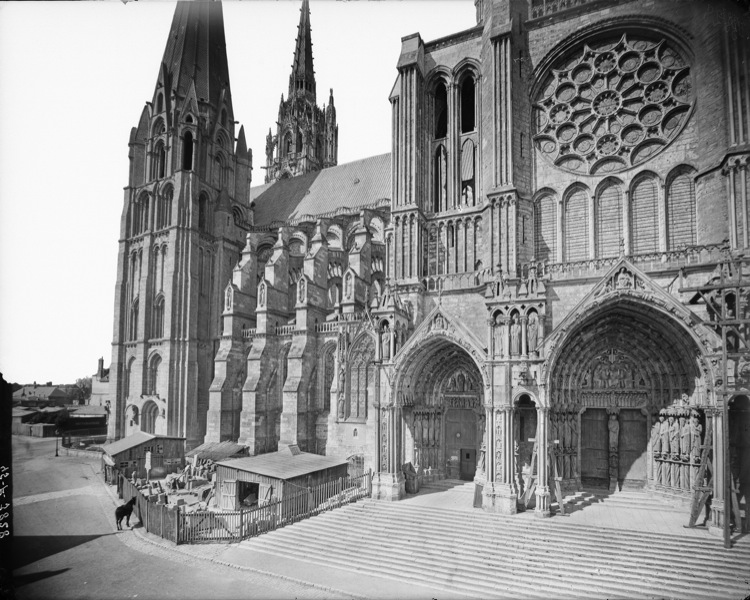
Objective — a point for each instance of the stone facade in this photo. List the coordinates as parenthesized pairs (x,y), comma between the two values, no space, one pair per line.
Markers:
(504,298)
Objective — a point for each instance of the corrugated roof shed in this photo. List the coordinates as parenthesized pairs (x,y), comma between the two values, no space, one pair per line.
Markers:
(284,464)
(138,438)
(217,450)
(342,189)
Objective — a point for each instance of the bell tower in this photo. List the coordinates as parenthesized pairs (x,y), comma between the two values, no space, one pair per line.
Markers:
(306,135)
(182,230)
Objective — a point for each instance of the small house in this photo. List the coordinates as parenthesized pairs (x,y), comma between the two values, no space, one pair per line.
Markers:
(129,454)
(246,482)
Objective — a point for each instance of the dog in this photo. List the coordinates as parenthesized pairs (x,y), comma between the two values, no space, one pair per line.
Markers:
(124,512)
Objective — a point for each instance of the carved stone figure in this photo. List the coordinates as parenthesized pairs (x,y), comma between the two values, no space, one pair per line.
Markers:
(614,433)
(684,438)
(674,437)
(385,342)
(515,336)
(302,290)
(532,331)
(696,431)
(664,432)
(228,299)
(348,286)
(262,294)
(655,439)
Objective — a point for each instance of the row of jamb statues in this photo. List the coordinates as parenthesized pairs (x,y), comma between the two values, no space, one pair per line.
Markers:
(676,447)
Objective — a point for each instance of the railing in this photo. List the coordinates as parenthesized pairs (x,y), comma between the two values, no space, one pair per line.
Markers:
(173,523)
(457,281)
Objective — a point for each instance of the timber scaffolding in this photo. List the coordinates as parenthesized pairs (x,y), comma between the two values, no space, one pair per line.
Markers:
(727,299)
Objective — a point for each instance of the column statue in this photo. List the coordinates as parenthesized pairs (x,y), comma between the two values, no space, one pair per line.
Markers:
(498,332)
(696,432)
(674,447)
(532,328)
(614,443)
(385,342)
(515,336)
(684,450)
(664,446)
(566,422)
(655,466)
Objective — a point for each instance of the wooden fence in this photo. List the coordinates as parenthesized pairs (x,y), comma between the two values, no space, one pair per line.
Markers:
(175,524)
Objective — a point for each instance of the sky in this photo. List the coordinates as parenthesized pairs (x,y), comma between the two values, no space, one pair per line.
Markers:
(74,78)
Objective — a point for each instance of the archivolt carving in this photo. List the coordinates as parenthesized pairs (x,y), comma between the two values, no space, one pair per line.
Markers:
(613,104)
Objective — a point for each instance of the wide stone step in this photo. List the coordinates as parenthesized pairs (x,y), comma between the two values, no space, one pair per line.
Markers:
(472,569)
(445,549)
(434,533)
(478,519)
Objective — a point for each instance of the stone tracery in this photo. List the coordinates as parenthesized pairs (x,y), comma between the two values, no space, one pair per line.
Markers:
(613,104)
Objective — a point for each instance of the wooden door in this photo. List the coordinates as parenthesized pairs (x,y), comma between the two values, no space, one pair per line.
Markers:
(229,494)
(460,434)
(632,448)
(594,447)
(468,463)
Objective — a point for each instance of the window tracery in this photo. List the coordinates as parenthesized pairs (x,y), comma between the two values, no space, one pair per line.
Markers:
(613,104)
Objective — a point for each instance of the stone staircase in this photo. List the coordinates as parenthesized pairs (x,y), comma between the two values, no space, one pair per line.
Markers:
(472,553)
(620,499)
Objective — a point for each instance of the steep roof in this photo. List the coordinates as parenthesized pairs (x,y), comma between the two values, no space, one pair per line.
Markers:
(196,50)
(341,189)
(138,438)
(284,464)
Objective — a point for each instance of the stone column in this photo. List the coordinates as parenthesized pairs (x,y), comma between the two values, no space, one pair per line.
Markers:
(524,345)
(716,417)
(500,494)
(388,483)
(614,449)
(542,488)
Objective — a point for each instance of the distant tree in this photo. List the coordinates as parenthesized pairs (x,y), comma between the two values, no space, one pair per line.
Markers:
(62,420)
(84,388)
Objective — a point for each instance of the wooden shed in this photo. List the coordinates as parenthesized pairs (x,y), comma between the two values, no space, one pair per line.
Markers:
(129,454)
(246,482)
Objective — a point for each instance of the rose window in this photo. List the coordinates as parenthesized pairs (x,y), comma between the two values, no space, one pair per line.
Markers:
(612,105)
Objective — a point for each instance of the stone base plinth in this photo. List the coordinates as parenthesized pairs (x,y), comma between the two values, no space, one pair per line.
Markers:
(388,486)
(542,508)
(499,498)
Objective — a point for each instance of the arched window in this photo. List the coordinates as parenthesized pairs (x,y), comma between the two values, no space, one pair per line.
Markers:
(218,170)
(130,385)
(361,376)
(133,321)
(288,143)
(645,216)
(160,164)
(298,148)
(136,217)
(164,209)
(608,220)
(467,104)
(158,322)
(153,375)
(203,213)
(441,111)
(187,151)
(440,183)
(576,225)
(680,209)
(223,117)
(159,102)
(545,228)
(468,189)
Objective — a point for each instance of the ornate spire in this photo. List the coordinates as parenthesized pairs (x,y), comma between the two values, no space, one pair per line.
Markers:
(302,79)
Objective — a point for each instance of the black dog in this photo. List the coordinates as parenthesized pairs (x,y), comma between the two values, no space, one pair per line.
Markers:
(124,512)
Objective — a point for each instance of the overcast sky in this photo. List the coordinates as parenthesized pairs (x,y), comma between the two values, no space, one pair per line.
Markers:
(73,80)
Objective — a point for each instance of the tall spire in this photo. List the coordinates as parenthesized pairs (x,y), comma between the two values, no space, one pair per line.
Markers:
(302,78)
(196,51)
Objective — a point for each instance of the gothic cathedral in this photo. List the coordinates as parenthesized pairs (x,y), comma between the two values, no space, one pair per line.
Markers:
(546,281)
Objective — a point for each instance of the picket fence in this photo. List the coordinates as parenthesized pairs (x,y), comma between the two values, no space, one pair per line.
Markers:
(182,527)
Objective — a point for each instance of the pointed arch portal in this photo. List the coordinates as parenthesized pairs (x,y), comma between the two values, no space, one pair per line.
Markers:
(440,392)
(622,363)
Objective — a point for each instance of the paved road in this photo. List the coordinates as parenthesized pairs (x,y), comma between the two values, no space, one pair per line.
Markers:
(66,544)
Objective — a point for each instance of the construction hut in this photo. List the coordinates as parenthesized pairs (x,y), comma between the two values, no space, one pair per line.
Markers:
(129,454)
(247,482)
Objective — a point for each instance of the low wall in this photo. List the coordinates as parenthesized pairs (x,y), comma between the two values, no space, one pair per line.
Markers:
(96,454)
